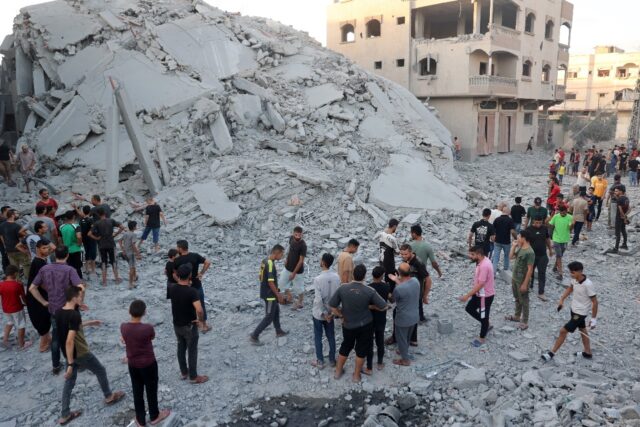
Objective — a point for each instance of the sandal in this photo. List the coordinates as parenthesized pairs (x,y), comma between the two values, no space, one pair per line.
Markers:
(200,379)
(72,416)
(512,318)
(115,398)
(401,362)
(366,371)
(161,417)
(477,343)
(337,375)
(317,364)
(523,326)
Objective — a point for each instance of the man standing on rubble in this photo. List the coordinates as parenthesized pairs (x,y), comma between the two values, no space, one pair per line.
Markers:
(5,162)
(482,233)
(48,202)
(388,249)
(345,261)
(194,260)
(292,277)
(27,164)
(102,232)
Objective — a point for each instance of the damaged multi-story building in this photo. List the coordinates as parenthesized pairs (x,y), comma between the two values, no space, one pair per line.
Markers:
(491,68)
(602,82)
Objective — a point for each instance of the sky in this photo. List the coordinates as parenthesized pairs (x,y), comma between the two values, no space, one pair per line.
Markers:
(595,22)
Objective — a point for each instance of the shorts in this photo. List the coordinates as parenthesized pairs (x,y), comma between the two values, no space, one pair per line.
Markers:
(577,322)
(90,249)
(5,166)
(559,249)
(155,232)
(27,176)
(359,338)
(131,259)
(17,319)
(107,256)
(296,285)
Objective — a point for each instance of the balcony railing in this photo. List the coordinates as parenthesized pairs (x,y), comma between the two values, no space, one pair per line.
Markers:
(504,31)
(493,85)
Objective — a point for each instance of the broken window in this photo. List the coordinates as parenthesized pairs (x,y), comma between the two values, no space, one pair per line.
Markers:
(548,30)
(565,34)
(528,119)
(603,72)
(348,33)
(377,65)
(526,68)
(529,23)
(509,16)
(570,95)
(400,20)
(428,67)
(400,62)
(374,28)
(546,73)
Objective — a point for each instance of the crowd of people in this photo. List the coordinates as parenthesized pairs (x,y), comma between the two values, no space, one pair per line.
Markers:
(48,261)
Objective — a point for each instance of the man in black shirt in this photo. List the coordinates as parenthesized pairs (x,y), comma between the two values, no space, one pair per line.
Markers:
(621,221)
(271,295)
(194,259)
(38,313)
(152,216)
(292,277)
(483,233)
(633,172)
(379,319)
(419,271)
(517,213)
(505,230)
(187,314)
(540,243)
(10,234)
(388,249)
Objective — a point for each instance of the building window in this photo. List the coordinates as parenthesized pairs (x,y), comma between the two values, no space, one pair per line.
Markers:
(530,106)
(400,20)
(377,65)
(399,62)
(546,73)
(528,119)
(622,73)
(428,67)
(348,33)
(510,105)
(526,69)
(548,30)
(570,96)
(529,23)
(572,74)
(483,69)
(488,105)
(603,72)
(602,95)
(374,28)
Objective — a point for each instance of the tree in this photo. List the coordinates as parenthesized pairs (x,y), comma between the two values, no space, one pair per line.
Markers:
(600,128)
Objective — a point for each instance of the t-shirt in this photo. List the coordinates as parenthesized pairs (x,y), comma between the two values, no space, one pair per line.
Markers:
(561,228)
(195,260)
(503,225)
(267,275)
(539,238)
(484,276)
(517,213)
(153,213)
(297,249)
(31,241)
(623,202)
(599,186)
(55,279)
(553,195)
(182,299)
(104,229)
(50,226)
(50,202)
(4,152)
(388,249)
(579,205)
(11,234)
(169,268)
(26,159)
(423,251)
(129,241)
(36,265)
(324,285)
(70,320)
(582,293)
(418,270)
(94,211)
(407,298)
(356,298)
(345,265)
(633,165)
(524,258)
(86,224)
(11,292)
(483,231)
(535,212)
(69,238)
(138,340)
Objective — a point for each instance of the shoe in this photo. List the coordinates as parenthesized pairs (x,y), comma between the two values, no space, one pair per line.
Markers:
(332,363)
(613,251)
(477,343)
(390,341)
(624,247)
(547,356)
(282,334)
(255,341)
(56,370)
(199,379)
(543,297)
(583,354)
(317,364)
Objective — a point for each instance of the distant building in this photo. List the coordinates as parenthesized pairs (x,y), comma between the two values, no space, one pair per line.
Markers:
(603,81)
(490,67)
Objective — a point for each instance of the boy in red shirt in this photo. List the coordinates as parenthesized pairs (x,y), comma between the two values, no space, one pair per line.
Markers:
(13,301)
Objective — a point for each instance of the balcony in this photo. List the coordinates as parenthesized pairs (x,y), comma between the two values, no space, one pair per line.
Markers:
(561,91)
(504,37)
(493,85)
(563,54)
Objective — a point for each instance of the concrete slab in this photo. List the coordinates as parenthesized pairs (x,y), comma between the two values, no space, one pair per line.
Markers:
(409,182)
(295,68)
(275,118)
(323,95)
(246,109)
(376,127)
(214,202)
(6,48)
(72,121)
(112,20)
(221,137)
(39,85)
(252,88)
(82,63)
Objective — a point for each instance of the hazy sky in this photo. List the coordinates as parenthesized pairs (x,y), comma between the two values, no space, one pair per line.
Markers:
(595,22)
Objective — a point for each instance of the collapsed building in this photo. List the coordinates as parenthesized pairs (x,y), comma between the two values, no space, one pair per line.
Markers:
(137,96)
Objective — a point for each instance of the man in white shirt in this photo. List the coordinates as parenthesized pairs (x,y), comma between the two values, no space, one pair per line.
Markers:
(324,286)
(584,300)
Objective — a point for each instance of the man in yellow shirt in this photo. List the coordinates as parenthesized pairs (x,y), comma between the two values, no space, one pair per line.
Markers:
(599,184)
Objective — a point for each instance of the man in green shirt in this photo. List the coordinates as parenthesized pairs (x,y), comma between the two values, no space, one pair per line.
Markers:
(72,238)
(422,249)
(524,257)
(562,224)
(535,211)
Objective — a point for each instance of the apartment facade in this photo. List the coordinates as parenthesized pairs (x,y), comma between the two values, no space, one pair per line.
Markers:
(603,81)
(492,68)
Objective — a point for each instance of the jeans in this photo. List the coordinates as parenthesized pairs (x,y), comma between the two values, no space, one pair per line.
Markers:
(403,334)
(522,302)
(187,345)
(155,232)
(479,308)
(577,228)
(633,178)
(55,344)
(91,363)
(518,227)
(540,263)
(500,247)
(329,330)
(621,229)
(379,323)
(272,315)
(599,208)
(141,379)
(201,294)
(611,217)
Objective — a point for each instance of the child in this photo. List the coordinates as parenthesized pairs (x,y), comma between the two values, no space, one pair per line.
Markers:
(584,300)
(13,302)
(561,172)
(169,269)
(130,250)
(143,367)
(379,319)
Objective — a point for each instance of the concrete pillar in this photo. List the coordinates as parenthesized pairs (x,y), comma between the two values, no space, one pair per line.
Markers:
(38,81)
(24,87)
(461,25)
(164,165)
(112,177)
(419,24)
(490,13)
(477,16)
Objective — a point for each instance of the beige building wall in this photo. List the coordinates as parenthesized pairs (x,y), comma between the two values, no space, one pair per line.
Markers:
(459,55)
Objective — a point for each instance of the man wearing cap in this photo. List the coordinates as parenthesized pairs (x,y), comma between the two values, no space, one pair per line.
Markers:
(536,211)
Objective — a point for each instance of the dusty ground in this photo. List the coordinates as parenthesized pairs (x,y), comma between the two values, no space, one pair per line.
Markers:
(240,373)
